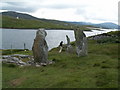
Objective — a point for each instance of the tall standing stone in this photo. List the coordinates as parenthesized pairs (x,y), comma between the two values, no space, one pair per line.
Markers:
(40,47)
(81,42)
(69,47)
(68,40)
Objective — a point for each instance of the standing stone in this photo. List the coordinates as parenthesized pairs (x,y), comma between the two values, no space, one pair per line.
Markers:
(40,47)
(69,47)
(68,40)
(81,42)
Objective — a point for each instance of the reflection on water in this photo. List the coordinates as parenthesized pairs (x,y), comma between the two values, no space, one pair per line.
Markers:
(17,37)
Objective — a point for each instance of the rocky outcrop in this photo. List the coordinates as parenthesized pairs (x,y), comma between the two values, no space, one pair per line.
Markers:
(15,59)
(18,59)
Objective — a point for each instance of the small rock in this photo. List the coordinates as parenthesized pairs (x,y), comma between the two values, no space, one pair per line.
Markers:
(43,64)
(22,63)
(38,65)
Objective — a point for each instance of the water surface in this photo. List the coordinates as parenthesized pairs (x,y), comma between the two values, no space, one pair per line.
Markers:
(15,38)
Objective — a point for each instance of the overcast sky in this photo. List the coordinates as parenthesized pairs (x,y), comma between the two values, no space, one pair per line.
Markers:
(95,11)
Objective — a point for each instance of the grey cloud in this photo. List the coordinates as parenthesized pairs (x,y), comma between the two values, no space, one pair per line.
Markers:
(59,6)
(64,6)
(33,6)
(18,6)
(80,11)
(26,7)
(15,3)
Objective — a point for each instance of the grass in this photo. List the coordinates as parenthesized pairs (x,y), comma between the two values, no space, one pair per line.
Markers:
(97,70)
(15,51)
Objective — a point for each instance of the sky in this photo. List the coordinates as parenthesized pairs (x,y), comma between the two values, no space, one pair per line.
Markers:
(94,11)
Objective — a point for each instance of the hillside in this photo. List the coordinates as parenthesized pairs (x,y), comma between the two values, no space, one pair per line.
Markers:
(11,22)
(20,15)
(19,20)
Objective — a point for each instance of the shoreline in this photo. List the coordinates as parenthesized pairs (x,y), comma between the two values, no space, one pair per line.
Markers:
(35,28)
(38,28)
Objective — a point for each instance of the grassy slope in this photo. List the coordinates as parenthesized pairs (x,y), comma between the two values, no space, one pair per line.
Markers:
(98,69)
(10,22)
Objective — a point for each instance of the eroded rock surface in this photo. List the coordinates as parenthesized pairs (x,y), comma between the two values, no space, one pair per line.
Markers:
(40,47)
(81,42)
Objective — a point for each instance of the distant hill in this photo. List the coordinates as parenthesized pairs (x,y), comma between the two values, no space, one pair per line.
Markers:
(11,19)
(108,25)
(81,23)
(20,15)
(27,16)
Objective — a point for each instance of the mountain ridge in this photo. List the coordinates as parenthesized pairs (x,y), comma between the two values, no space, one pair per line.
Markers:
(107,25)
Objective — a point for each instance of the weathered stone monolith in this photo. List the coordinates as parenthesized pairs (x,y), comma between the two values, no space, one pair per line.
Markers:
(81,42)
(68,40)
(69,47)
(40,47)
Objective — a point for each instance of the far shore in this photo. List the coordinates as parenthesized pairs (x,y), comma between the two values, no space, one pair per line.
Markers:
(38,28)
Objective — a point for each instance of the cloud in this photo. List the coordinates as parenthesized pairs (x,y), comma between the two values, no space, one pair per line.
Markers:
(18,6)
(70,10)
(33,5)
(102,12)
